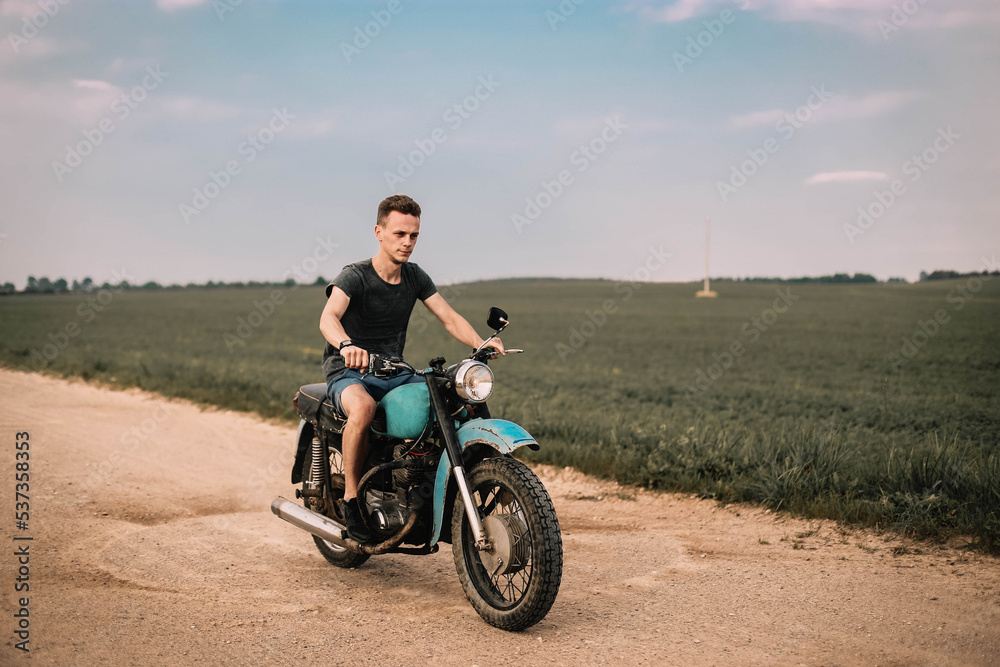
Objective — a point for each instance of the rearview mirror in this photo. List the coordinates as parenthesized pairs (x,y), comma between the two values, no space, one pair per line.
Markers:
(497,319)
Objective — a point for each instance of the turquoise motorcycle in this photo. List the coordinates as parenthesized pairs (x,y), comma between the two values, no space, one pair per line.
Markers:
(439,469)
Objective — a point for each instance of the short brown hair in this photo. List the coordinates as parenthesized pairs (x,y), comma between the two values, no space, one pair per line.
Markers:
(402,203)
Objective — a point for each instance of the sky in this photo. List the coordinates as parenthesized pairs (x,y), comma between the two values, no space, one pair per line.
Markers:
(191,140)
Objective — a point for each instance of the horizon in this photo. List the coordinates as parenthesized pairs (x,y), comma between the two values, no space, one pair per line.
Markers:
(818,280)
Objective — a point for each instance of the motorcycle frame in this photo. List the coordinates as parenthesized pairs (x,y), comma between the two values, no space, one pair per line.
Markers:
(465,445)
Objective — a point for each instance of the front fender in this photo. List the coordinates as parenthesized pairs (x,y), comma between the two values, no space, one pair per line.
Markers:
(500,434)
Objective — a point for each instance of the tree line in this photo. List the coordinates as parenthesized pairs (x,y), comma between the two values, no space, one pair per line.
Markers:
(46,285)
(857,278)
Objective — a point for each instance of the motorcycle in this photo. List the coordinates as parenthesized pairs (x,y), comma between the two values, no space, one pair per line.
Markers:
(438,469)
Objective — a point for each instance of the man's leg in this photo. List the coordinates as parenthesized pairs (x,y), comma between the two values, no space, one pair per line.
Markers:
(360,410)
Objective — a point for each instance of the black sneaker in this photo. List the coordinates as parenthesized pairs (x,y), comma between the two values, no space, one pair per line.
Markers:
(356,527)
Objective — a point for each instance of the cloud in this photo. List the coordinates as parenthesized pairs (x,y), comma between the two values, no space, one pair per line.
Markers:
(652,125)
(854,15)
(783,10)
(576,128)
(130,66)
(579,128)
(189,109)
(39,47)
(838,107)
(756,118)
(845,177)
(875,104)
(93,84)
(35,115)
(19,8)
(88,101)
(681,10)
(173,5)
(311,127)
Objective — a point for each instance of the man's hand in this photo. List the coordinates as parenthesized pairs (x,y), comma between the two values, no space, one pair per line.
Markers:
(354,357)
(497,345)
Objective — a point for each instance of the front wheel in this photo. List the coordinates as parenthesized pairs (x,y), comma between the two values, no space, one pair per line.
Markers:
(513,585)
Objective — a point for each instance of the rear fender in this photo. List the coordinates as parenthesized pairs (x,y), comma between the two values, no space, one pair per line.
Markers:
(480,439)
(303,440)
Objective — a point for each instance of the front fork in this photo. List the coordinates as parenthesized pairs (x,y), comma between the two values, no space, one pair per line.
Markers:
(454,450)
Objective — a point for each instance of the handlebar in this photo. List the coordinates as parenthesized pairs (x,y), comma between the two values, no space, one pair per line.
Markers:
(381,366)
(491,353)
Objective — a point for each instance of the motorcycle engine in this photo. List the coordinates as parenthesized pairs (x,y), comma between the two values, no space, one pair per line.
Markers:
(419,475)
(411,487)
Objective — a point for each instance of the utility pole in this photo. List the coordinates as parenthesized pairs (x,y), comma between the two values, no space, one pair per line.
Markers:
(706,293)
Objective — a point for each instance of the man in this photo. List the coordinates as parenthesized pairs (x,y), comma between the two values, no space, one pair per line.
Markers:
(367,310)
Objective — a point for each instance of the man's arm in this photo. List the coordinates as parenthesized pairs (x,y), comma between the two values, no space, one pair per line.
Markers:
(457,325)
(333,330)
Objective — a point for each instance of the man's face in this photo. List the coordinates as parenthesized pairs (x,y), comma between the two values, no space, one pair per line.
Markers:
(399,236)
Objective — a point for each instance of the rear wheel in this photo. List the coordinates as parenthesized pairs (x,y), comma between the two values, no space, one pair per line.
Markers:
(513,585)
(335,554)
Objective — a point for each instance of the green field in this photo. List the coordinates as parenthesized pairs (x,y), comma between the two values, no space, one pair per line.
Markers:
(822,409)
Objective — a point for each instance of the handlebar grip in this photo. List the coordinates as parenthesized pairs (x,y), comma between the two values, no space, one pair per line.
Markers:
(379,365)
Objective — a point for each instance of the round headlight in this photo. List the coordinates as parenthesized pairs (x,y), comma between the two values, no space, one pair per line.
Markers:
(474,381)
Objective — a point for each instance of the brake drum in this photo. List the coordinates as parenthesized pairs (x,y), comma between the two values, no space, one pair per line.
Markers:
(509,536)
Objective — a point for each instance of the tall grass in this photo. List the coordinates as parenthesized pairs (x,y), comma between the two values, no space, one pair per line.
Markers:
(812,418)
(926,488)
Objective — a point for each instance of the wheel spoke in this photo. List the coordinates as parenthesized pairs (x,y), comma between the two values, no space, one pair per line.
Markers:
(494,499)
(486,507)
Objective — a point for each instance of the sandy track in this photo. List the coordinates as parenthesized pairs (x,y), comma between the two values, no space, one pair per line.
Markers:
(154,544)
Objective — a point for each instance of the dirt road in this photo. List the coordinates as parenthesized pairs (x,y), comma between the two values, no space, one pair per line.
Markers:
(153,543)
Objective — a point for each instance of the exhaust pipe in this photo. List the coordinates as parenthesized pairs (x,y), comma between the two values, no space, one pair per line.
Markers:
(309,521)
(331,531)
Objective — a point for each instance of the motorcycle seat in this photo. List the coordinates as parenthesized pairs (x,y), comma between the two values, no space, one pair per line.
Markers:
(314,406)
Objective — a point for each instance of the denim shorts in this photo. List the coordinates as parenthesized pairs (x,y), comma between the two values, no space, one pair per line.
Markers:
(376,387)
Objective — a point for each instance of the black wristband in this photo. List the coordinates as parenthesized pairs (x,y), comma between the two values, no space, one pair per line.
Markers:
(343,344)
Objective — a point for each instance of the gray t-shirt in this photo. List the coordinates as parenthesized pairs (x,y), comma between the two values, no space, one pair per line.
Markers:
(378,313)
